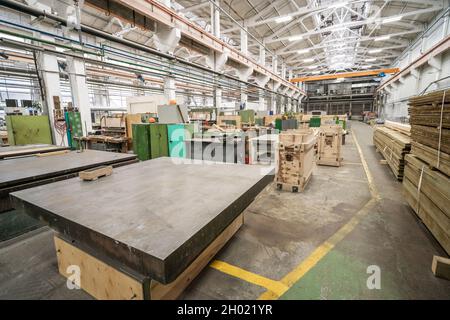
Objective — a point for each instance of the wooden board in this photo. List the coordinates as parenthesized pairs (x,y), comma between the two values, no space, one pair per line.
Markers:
(105,282)
(95,173)
(430,156)
(441,267)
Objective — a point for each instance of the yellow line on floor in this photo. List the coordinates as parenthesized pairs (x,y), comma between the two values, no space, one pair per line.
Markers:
(271,285)
(295,275)
(275,289)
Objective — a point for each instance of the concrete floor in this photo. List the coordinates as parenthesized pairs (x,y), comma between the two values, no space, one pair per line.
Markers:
(312,245)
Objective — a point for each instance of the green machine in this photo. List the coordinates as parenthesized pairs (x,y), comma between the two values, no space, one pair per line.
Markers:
(247,116)
(28,130)
(314,122)
(74,128)
(177,134)
(150,140)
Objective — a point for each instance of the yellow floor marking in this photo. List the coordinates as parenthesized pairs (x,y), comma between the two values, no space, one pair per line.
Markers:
(353,163)
(271,285)
(295,275)
(275,289)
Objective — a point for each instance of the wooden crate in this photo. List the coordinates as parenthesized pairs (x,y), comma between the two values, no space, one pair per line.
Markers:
(330,146)
(296,154)
(104,281)
(224,121)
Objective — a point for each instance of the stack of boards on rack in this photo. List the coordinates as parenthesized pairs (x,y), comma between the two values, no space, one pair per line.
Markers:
(394,142)
(427,171)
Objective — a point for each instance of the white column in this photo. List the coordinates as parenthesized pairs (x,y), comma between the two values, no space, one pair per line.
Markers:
(169,89)
(218,99)
(291,75)
(80,92)
(244,41)
(48,66)
(283,71)
(275,64)
(262,55)
(215,19)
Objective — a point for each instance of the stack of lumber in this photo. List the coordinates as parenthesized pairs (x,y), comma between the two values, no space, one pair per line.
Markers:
(296,154)
(427,172)
(428,193)
(393,145)
(330,146)
(426,113)
(402,127)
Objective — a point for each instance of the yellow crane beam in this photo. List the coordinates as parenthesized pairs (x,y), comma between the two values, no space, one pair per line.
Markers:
(345,75)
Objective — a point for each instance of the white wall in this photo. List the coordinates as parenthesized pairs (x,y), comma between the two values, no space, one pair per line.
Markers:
(396,97)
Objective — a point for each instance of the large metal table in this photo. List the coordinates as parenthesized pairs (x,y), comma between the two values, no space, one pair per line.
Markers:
(154,217)
(19,151)
(26,172)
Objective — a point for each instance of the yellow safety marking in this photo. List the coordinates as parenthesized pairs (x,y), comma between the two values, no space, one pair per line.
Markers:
(271,285)
(275,289)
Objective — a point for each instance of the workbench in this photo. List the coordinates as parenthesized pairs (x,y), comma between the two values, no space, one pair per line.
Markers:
(30,171)
(29,149)
(150,221)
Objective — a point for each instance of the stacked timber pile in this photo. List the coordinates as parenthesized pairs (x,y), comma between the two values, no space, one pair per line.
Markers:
(330,146)
(296,154)
(427,172)
(393,145)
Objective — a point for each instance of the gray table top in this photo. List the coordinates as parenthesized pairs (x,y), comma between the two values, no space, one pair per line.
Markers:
(32,168)
(15,151)
(154,216)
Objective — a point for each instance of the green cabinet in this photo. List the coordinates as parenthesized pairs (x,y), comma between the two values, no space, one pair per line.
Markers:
(158,141)
(150,140)
(28,130)
(141,140)
(74,129)
(177,134)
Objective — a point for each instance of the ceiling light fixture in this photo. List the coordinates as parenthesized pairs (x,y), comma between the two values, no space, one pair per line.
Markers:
(283,19)
(371,59)
(303,51)
(339,5)
(312,67)
(382,38)
(393,19)
(315,72)
(366,67)
(295,38)
(308,60)
(375,50)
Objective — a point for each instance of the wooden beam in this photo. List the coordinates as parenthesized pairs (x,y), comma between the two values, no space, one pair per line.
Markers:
(441,267)
(346,75)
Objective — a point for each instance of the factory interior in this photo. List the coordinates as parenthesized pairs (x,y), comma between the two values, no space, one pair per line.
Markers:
(225,150)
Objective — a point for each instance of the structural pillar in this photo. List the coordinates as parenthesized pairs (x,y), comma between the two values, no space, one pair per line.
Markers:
(262,55)
(80,92)
(244,41)
(169,89)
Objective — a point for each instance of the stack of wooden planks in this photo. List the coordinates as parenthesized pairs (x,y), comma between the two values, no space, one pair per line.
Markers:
(393,145)
(427,172)
(296,154)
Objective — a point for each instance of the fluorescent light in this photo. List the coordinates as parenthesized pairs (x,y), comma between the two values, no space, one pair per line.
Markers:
(393,19)
(308,60)
(315,72)
(312,67)
(375,50)
(366,67)
(283,19)
(303,51)
(295,38)
(339,5)
(382,38)
(371,60)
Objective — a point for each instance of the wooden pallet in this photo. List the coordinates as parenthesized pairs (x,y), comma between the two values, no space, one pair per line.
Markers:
(106,282)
